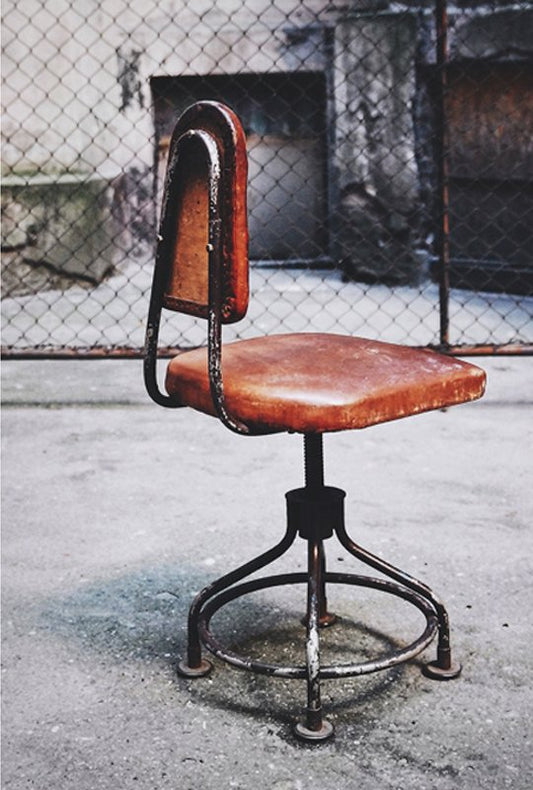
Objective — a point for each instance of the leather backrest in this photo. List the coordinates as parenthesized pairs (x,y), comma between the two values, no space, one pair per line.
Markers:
(205,198)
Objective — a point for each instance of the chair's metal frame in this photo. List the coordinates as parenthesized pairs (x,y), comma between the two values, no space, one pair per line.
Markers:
(314,512)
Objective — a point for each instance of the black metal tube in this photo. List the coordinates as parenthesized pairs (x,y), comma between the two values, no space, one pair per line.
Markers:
(216,279)
(313,460)
(194,649)
(325,618)
(387,661)
(312,646)
(443,649)
(442,145)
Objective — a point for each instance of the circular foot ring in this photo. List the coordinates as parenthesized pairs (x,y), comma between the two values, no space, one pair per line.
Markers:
(305,734)
(435,672)
(326,672)
(195,672)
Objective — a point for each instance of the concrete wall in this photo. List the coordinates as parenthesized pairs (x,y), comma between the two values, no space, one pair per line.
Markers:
(375,153)
(77,99)
(77,104)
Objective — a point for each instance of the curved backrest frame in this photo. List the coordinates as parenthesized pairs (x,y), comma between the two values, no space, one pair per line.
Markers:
(202,253)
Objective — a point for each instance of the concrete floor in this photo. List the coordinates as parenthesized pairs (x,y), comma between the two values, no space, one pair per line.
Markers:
(116,511)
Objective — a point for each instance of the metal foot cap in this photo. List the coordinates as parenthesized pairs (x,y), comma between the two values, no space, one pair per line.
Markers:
(325,621)
(435,672)
(305,734)
(195,672)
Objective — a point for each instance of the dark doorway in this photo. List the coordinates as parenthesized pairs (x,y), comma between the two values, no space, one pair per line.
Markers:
(284,120)
(489,110)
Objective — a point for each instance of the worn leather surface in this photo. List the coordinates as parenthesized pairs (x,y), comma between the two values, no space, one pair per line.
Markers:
(313,383)
(185,214)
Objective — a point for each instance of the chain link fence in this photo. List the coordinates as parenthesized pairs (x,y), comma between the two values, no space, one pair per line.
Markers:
(390,166)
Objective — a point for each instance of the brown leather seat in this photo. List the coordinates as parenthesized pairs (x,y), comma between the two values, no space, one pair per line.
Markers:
(313,383)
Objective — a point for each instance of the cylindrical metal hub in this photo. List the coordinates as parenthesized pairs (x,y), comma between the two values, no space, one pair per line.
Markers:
(315,512)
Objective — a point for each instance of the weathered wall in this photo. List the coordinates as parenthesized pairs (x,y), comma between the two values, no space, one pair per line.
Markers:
(78,104)
(65,223)
(78,96)
(385,130)
(375,145)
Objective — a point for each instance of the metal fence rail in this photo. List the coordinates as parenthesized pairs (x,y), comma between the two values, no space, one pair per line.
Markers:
(390,156)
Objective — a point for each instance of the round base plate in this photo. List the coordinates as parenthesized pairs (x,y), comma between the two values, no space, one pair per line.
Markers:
(435,672)
(195,672)
(305,734)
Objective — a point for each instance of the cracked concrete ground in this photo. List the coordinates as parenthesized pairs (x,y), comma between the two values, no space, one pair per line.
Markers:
(116,511)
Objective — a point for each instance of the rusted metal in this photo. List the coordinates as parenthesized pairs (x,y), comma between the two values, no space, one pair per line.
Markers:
(167,352)
(212,604)
(325,617)
(489,108)
(220,142)
(165,259)
(442,149)
(194,658)
(488,349)
(99,352)
(444,666)
(314,727)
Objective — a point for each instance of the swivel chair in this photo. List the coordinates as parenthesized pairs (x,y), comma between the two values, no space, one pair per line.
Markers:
(307,383)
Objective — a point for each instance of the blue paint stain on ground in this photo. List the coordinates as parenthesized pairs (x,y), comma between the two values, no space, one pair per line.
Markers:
(141,615)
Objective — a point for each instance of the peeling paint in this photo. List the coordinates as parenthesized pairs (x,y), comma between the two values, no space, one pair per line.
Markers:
(129,79)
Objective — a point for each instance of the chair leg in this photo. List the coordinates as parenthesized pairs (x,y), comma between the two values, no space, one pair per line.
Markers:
(325,618)
(315,727)
(444,668)
(195,665)
(314,480)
